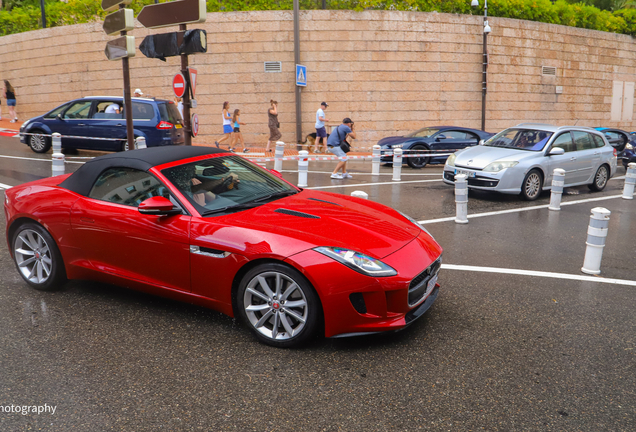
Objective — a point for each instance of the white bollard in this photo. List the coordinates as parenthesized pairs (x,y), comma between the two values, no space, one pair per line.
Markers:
(58,164)
(461,198)
(397,164)
(596,235)
(278,156)
(630,181)
(558,180)
(56,138)
(360,194)
(140,143)
(375,162)
(303,167)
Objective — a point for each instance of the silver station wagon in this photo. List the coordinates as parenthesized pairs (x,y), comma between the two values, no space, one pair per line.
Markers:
(521,160)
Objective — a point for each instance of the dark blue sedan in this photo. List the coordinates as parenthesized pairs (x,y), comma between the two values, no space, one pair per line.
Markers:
(436,139)
(99,123)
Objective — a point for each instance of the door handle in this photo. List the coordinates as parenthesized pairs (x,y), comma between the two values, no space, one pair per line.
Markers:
(119,124)
(81,124)
(87,220)
(572,158)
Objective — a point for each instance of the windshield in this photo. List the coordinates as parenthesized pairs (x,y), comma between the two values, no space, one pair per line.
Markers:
(521,139)
(423,133)
(224,184)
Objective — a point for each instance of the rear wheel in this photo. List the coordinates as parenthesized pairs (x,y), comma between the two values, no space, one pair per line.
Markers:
(278,305)
(600,179)
(38,142)
(37,257)
(532,185)
(418,162)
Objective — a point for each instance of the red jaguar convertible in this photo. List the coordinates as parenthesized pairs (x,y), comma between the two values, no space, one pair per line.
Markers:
(211,228)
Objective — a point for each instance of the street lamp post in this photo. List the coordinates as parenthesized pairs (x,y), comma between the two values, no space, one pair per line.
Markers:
(484,81)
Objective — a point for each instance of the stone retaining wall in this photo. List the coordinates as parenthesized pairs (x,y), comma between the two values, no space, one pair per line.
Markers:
(390,71)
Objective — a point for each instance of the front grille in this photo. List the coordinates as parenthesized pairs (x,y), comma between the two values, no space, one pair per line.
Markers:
(418,287)
(473,181)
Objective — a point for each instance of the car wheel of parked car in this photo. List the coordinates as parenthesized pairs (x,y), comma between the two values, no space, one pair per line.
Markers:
(37,257)
(417,162)
(39,143)
(532,185)
(600,179)
(279,305)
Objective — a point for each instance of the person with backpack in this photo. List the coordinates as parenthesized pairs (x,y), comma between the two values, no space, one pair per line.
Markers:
(338,145)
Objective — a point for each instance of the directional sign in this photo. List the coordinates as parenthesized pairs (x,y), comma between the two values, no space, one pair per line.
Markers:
(122,20)
(195,124)
(301,75)
(173,44)
(121,47)
(111,5)
(173,13)
(193,80)
(179,85)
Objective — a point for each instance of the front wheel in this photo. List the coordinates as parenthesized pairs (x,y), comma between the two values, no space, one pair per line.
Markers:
(39,142)
(532,185)
(279,305)
(600,179)
(418,162)
(37,257)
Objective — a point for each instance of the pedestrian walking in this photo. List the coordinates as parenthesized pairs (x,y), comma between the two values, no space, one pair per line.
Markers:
(321,131)
(274,124)
(227,125)
(9,95)
(236,123)
(337,140)
(179,103)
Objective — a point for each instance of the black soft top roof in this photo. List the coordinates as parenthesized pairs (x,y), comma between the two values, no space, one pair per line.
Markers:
(82,180)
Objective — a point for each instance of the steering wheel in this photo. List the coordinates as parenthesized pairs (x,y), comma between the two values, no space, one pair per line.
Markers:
(229,183)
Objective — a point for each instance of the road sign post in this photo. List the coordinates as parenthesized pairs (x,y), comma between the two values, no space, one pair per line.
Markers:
(122,48)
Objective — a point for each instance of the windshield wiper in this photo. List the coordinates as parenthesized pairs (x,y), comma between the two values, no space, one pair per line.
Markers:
(232,208)
(275,195)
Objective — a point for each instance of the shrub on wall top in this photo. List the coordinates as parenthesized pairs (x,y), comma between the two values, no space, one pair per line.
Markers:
(21,19)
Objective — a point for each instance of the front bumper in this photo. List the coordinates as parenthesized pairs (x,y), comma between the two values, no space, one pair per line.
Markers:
(357,304)
(505,181)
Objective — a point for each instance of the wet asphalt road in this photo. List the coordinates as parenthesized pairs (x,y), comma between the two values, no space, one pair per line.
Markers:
(496,352)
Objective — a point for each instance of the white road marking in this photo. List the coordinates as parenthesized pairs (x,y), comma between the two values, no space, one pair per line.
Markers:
(363,173)
(5,186)
(539,274)
(374,184)
(518,210)
(36,159)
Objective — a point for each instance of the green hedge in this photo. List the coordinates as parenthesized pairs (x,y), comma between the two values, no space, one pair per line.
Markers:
(574,15)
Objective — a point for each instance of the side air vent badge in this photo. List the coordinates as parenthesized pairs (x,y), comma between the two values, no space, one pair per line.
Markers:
(296,213)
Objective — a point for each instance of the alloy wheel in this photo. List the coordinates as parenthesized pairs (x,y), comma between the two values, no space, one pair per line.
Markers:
(601,178)
(533,185)
(33,256)
(275,305)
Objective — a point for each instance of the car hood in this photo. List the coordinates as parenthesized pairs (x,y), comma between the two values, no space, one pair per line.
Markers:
(479,156)
(309,219)
(392,140)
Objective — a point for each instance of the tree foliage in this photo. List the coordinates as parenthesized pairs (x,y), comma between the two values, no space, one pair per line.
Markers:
(605,15)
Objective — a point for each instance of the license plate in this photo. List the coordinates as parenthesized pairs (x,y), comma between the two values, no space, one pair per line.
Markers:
(468,173)
(431,284)
(178,126)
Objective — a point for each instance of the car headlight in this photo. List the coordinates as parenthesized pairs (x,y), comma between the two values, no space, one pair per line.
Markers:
(628,146)
(416,223)
(356,261)
(499,165)
(397,145)
(451,160)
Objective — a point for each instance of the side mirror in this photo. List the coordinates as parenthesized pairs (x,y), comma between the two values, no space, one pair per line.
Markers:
(481,142)
(158,206)
(556,151)
(440,137)
(276,173)
(59,117)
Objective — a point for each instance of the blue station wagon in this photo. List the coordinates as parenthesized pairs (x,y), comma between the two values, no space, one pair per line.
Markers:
(99,123)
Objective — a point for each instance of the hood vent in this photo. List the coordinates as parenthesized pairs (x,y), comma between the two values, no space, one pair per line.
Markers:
(296,213)
(328,202)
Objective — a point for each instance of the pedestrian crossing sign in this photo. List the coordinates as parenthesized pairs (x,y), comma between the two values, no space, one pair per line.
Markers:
(301,75)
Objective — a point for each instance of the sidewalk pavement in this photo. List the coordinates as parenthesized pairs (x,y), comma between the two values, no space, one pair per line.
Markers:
(290,150)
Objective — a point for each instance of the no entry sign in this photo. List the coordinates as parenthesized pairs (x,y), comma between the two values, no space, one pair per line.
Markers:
(195,124)
(179,85)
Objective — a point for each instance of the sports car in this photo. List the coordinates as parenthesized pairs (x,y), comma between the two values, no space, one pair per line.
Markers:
(208,227)
(437,139)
